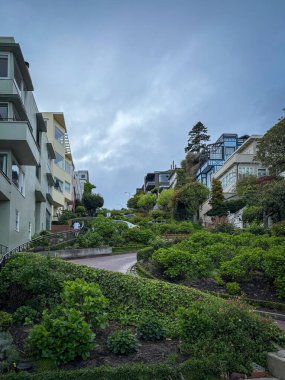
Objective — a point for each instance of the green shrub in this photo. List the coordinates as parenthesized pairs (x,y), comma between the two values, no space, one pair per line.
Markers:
(235,205)
(5,321)
(86,298)
(230,336)
(144,254)
(245,265)
(80,210)
(233,288)
(176,263)
(274,262)
(138,235)
(256,229)
(123,372)
(122,342)
(280,286)
(24,314)
(90,240)
(150,329)
(278,229)
(252,214)
(8,352)
(62,336)
(225,227)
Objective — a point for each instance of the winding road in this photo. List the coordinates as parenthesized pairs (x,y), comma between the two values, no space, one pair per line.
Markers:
(115,263)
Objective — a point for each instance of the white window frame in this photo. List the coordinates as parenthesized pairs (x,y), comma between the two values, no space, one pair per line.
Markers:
(3,54)
(59,141)
(63,164)
(69,184)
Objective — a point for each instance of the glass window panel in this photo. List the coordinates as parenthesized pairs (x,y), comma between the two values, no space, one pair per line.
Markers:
(16,174)
(3,111)
(59,136)
(4,66)
(68,167)
(3,163)
(58,185)
(59,160)
(67,187)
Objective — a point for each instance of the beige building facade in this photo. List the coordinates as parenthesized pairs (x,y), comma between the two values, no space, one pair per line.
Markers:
(62,167)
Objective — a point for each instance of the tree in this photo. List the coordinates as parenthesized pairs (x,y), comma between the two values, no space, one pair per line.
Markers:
(271,148)
(217,200)
(133,202)
(147,202)
(165,200)
(187,200)
(91,201)
(197,138)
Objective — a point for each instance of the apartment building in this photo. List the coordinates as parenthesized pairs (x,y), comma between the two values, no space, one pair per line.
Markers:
(62,168)
(80,178)
(25,161)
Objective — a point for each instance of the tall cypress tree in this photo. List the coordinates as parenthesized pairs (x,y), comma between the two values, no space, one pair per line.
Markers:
(197,138)
(217,200)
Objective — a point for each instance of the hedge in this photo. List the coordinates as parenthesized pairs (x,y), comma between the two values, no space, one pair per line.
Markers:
(126,372)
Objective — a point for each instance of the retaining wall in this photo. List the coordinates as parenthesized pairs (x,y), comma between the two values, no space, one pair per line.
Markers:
(79,253)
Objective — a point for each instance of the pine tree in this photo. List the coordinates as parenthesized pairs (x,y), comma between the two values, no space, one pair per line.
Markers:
(217,200)
(197,138)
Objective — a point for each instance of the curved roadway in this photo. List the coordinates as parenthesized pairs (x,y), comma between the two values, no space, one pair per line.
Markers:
(115,263)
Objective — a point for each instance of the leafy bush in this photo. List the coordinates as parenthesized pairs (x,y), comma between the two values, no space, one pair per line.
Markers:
(177,263)
(144,254)
(8,352)
(150,329)
(138,235)
(65,216)
(278,229)
(24,314)
(256,229)
(5,321)
(122,342)
(252,214)
(62,337)
(90,240)
(244,265)
(280,286)
(86,298)
(231,337)
(80,210)
(233,288)
(235,205)
(225,227)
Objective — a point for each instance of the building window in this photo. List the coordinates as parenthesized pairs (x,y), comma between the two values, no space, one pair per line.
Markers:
(261,172)
(59,160)
(246,170)
(38,172)
(67,187)
(58,135)
(68,168)
(18,177)
(3,163)
(3,66)
(58,185)
(17,221)
(229,151)
(3,111)
(82,176)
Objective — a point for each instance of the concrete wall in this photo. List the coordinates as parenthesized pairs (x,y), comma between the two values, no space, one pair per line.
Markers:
(80,253)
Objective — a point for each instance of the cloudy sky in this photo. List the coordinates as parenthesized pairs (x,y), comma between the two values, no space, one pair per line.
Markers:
(134,76)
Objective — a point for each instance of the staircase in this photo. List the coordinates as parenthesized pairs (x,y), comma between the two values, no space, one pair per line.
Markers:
(43,243)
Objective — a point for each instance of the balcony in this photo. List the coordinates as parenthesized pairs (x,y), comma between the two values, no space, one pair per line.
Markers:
(149,185)
(5,187)
(9,92)
(17,137)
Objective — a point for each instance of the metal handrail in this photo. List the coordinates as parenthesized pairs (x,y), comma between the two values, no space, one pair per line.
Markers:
(29,246)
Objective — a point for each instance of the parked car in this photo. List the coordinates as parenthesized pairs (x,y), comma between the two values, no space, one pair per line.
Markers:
(130,225)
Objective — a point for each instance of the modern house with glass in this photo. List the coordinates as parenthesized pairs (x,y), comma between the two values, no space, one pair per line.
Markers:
(62,168)
(157,180)
(25,162)
(216,154)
